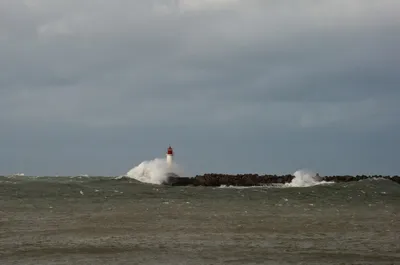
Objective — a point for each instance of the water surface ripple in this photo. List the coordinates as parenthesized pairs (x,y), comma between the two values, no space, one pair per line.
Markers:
(104,221)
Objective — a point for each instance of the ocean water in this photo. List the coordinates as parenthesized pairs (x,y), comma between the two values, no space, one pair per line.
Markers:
(100,220)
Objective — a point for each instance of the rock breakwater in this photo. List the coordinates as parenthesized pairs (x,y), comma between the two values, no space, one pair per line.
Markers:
(215,179)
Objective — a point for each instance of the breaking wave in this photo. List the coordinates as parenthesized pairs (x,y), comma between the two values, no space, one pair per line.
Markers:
(154,171)
(306,178)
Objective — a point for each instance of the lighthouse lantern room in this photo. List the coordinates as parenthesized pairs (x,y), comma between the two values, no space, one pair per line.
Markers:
(170,155)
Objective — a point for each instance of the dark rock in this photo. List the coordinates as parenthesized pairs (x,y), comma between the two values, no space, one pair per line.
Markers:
(395,179)
(213,179)
(175,180)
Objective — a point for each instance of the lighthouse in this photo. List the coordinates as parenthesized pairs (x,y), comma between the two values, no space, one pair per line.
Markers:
(170,155)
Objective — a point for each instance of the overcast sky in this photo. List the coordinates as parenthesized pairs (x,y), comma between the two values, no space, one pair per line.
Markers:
(96,87)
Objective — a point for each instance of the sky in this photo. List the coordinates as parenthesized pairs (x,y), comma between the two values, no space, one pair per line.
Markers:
(235,86)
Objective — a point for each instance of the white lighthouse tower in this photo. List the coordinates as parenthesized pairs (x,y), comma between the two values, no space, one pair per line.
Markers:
(170,155)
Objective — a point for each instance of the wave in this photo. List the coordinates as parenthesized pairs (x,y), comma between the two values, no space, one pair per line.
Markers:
(302,178)
(154,171)
(306,178)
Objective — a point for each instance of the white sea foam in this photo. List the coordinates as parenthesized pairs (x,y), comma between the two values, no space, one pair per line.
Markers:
(154,171)
(306,178)
(302,178)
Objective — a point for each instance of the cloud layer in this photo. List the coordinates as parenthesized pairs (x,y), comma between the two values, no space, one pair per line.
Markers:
(250,69)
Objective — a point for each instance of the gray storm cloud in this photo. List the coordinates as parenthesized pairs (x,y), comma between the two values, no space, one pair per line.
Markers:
(73,58)
(280,65)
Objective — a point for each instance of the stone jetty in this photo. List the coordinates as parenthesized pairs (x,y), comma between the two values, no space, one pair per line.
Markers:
(215,179)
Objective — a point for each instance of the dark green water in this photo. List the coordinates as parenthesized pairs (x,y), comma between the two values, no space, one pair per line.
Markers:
(104,221)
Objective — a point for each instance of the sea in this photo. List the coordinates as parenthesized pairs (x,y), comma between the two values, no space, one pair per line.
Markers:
(106,220)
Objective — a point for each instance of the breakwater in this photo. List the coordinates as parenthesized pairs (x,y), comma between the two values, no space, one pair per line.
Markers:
(260,180)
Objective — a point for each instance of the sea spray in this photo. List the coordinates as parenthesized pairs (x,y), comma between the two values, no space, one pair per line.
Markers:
(154,171)
(305,178)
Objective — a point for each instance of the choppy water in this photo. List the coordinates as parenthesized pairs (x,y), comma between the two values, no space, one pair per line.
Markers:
(104,221)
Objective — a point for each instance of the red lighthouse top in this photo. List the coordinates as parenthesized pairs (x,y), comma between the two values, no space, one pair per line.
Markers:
(170,151)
